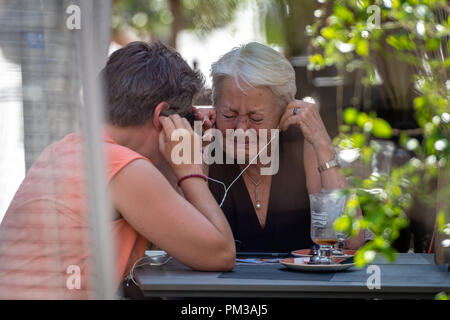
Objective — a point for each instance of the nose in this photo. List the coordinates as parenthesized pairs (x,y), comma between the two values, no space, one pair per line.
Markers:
(242,123)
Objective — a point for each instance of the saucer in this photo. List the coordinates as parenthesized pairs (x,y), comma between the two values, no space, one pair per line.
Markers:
(301,264)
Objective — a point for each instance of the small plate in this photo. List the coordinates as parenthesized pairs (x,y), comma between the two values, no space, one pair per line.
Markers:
(301,264)
(155,253)
(156,257)
(308,253)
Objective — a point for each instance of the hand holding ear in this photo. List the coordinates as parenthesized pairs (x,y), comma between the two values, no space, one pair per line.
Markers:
(175,125)
(305,116)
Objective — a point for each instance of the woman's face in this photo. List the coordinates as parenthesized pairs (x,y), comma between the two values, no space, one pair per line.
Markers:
(255,109)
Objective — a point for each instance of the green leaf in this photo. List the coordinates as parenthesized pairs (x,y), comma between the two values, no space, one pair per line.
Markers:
(401,42)
(343,223)
(401,223)
(361,256)
(364,224)
(447,62)
(366,155)
(362,47)
(317,59)
(433,44)
(344,128)
(419,103)
(361,119)
(329,33)
(350,115)
(381,129)
(343,14)
(403,139)
(358,140)
(396,4)
(362,4)
(389,253)
(441,296)
(380,242)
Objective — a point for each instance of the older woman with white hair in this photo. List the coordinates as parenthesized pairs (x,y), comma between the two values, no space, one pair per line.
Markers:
(254,88)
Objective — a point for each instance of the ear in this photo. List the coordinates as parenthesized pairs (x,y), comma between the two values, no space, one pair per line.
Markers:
(157,113)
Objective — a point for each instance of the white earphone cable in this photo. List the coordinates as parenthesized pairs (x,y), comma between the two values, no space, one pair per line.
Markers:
(241,173)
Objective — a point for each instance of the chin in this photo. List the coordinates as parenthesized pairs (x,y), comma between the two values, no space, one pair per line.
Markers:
(241,149)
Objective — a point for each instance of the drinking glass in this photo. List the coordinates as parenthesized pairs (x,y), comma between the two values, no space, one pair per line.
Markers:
(326,207)
(382,158)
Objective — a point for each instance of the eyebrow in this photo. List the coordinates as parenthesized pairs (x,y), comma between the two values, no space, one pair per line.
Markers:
(249,113)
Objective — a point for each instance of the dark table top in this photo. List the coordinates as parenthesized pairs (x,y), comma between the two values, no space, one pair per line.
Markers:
(411,276)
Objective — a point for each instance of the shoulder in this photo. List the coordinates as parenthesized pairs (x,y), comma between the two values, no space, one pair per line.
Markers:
(118,157)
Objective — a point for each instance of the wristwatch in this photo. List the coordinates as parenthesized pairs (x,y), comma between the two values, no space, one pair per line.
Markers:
(330,164)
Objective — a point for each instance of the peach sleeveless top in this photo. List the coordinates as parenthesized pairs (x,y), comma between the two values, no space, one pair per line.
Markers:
(45,251)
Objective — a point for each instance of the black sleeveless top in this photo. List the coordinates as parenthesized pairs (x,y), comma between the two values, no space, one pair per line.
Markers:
(288,215)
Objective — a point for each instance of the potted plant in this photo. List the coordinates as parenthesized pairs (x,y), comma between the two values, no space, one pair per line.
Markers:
(404,45)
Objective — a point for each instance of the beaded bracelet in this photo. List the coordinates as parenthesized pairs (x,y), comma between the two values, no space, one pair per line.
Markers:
(192,176)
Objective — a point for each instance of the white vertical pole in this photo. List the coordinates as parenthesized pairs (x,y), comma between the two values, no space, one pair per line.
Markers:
(92,117)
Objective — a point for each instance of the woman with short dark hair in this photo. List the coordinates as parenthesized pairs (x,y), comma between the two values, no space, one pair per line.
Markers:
(45,230)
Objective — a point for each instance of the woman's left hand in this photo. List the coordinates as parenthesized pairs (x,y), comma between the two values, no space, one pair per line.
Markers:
(305,116)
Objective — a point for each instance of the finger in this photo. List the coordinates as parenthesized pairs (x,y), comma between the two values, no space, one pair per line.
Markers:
(177,121)
(202,114)
(293,120)
(301,104)
(310,127)
(287,113)
(207,124)
(199,115)
(283,126)
(311,112)
(213,117)
(168,126)
(162,140)
(186,123)
(312,118)
(207,136)
(290,111)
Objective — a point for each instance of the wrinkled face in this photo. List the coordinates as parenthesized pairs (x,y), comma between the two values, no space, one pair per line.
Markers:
(255,109)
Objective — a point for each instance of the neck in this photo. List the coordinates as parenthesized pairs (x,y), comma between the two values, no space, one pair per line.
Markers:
(254,170)
(134,138)
(142,140)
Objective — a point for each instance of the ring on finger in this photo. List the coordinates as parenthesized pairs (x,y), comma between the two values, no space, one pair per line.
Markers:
(294,111)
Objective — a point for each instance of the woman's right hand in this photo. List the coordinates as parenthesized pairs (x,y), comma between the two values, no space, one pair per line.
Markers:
(207,116)
(182,165)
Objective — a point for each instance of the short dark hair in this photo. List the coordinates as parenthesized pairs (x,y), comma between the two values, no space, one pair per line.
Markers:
(140,75)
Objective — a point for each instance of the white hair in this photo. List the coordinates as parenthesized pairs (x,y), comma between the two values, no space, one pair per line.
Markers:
(255,65)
